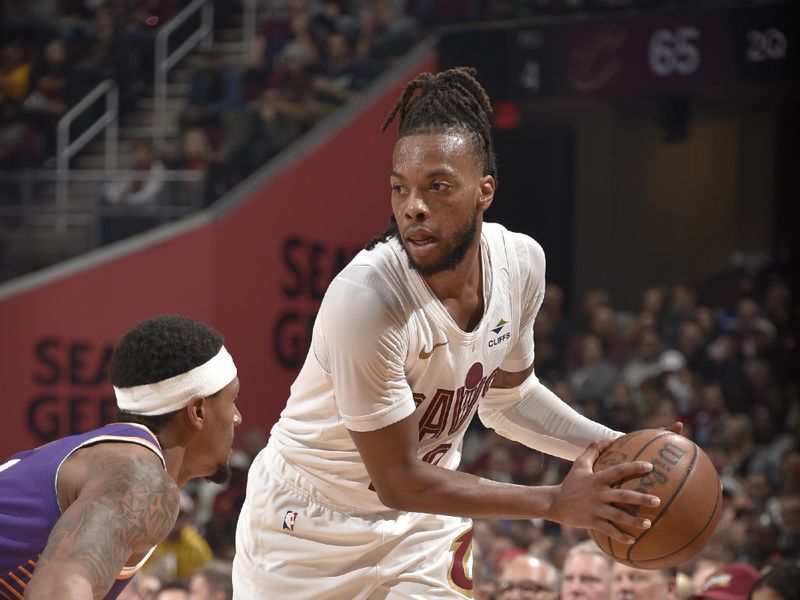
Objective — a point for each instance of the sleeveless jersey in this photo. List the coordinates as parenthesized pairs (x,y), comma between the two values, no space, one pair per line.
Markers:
(29,505)
(385,348)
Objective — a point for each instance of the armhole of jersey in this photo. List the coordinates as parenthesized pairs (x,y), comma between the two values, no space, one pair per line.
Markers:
(128,572)
(125,439)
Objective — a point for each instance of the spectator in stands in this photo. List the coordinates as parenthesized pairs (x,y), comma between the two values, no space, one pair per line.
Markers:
(781,582)
(593,379)
(602,323)
(292,77)
(195,155)
(108,54)
(182,551)
(586,573)
(629,583)
(214,92)
(298,27)
(338,76)
(262,130)
(645,363)
(21,145)
(15,73)
(173,590)
(386,32)
(731,582)
(149,585)
(212,581)
(52,92)
(528,578)
(789,498)
(761,549)
(139,192)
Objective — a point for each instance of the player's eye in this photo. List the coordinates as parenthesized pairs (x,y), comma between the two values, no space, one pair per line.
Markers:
(440,186)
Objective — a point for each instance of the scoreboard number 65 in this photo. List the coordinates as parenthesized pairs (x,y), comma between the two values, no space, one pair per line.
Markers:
(674,51)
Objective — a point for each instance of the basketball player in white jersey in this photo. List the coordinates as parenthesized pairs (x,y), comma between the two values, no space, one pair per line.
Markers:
(356,494)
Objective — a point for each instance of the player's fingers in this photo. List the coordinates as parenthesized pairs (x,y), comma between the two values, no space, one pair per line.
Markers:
(593,450)
(618,496)
(619,517)
(624,471)
(608,529)
(676,427)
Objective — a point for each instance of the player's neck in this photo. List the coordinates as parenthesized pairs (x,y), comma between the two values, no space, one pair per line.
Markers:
(460,290)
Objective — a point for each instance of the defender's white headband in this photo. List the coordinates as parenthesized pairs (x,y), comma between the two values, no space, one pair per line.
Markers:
(174,393)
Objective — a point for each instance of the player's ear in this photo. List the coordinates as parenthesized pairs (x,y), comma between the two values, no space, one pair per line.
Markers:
(194,411)
(487,188)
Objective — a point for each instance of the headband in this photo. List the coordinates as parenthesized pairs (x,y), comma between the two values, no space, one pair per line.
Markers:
(174,393)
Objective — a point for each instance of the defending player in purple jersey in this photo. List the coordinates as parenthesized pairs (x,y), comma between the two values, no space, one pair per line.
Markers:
(80,515)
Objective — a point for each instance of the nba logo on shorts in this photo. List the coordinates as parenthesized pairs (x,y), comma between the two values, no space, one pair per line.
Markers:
(289,519)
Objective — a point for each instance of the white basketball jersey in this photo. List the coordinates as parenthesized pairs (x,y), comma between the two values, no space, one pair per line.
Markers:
(385,348)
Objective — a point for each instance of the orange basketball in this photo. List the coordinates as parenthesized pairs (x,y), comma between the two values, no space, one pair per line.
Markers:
(691,499)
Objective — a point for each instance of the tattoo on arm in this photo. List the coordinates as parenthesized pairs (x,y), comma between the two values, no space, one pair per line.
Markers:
(127,506)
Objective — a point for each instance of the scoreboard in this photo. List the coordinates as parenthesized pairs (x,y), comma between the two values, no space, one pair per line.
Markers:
(670,51)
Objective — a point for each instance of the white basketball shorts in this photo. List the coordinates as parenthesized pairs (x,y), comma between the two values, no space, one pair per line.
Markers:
(291,546)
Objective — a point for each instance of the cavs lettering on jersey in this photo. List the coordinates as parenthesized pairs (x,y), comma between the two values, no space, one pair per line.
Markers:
(385,348)
(29,505)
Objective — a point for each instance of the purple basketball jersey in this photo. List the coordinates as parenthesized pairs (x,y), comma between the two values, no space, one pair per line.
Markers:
(29,506)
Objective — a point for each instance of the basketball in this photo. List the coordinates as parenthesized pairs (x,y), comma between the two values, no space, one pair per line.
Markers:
(691,499)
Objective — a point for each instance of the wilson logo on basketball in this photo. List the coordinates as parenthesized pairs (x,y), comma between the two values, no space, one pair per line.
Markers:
(669,457)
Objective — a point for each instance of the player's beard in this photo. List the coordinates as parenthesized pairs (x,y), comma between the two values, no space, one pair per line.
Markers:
(460,245)
(222,474)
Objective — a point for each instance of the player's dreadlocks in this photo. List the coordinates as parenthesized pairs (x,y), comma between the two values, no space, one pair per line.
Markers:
(452,100)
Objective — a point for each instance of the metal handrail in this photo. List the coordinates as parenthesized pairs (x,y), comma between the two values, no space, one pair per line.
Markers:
(66,149)
(249,18)
(164,60)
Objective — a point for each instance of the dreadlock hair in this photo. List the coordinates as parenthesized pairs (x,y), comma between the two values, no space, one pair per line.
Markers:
(156,349)
(452,100)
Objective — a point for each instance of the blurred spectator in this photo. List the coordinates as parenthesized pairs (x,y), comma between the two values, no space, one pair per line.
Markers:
(212,581)
(593,379)
(296,26)
(173,590)
(629,583)
(108,54)
(789,499)
(603,324)
(52,92)
(21,145)
(527,578)
(761,549)
(386,32)
(732,582)
(339,76)
(182,551)
(586,574)
(139,192)
(261,131)
(195,155)
(645,363)
(781,582)
(214,91)
(292,77)
(15,73)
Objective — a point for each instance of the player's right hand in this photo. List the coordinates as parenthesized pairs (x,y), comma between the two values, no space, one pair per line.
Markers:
(587,499)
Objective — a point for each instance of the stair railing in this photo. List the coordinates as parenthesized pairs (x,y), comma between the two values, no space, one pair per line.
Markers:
(66,148)
(165,60)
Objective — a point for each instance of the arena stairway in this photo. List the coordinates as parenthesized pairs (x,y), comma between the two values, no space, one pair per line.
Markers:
(40,242)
